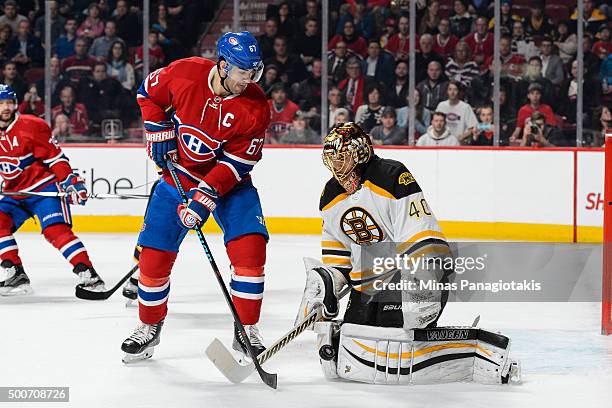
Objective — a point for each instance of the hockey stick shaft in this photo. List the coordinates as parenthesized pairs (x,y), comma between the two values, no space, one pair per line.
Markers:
(61,194)
(82,293)
(268,378)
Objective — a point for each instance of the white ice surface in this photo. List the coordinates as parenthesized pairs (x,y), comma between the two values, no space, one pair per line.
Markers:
(50,338)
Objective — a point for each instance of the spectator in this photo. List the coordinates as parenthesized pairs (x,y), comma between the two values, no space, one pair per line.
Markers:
(388,133)
(65,44)
(512,65)
(460,118)
(342,116)
(101,45)
(426,56)
(461,20)
(399,90)
(569,94)
(552,66)
(507,117)
(431,19)
(61,128)
(538,133)
(10,76)
(592,63)
(32,104)
(168,28)
(128,24)
(118,67)
(336,62)
(103,97)
(93,26)
(287,24)
(521,44)
(534,95)
(379,64)
(605,75)
(399,44)
(290,66)
(25,49)
(282,113)
(592,16)
(433,89)
(538,25)
(80,64)
(57,23)
(480,42)
(157,57)
(266,40)
(308,44)
(75,112)
(369,114)
(353,85)
(444,42)
(270,77)
(312,11)
(58,80)
(533,74)
(300,132)
(365,22)
(422,115)
(603,122)
(507,18)
(308,92)
(11,17)
(461,68)
(388,32)
(483,134)
(437,134)
(565,41)
(335,106)
(5,38)
(353,41)
(603,46)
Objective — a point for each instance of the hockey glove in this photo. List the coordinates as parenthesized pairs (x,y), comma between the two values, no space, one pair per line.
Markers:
(322,287)
(75,187)
(198,208)
(161,142)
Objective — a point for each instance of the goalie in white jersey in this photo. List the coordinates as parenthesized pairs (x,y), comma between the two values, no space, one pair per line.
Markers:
(373,208)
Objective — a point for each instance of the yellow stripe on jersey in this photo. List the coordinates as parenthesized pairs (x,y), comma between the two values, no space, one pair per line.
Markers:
(423,234)
(332,244)
(335,201)
(377,190)
(334,260)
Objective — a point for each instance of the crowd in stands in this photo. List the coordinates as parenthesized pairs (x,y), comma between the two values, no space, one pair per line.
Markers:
(97,66)
(96,60)
(367,60)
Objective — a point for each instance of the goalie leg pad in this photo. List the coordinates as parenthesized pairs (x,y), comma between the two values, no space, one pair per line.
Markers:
(380,355)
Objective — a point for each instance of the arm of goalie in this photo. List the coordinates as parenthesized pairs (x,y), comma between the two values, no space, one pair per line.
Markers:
(323,286)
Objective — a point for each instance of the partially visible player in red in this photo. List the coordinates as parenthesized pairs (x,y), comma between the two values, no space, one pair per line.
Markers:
(31,160)
(214,136)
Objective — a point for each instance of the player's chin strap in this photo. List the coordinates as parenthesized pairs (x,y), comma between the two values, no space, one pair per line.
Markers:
(222,79)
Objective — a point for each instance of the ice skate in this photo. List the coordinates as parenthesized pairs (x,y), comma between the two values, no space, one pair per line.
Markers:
(141,344)
(130,290)
(254,337)
(15,281)
(89,278)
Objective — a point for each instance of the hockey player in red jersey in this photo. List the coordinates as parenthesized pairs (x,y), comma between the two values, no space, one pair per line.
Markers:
(32,161)
(214,136)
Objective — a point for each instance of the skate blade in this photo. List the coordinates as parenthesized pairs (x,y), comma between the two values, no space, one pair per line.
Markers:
(94,288)
(20,290)
(134,358)
(129,303)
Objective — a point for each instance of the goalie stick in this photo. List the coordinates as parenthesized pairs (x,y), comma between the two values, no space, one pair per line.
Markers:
(268,378)
(99,196)
(85,294)
(225,362)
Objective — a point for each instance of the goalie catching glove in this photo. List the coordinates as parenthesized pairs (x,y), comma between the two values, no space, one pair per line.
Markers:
(201,203)
(323,284)
(74,186)
(161,142)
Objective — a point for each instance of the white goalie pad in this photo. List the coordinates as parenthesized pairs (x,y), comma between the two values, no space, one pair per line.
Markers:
(380,355)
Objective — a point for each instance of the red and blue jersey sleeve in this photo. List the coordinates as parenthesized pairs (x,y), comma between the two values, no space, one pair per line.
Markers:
(47,149)
(155,95)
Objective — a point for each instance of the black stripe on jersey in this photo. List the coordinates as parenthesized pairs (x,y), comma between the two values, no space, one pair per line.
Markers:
(336,252)
(423,243)
(331,190)
(392,176)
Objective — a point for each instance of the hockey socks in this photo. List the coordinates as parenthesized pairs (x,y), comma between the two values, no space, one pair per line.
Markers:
(154,284)
(8,245)
(62,238)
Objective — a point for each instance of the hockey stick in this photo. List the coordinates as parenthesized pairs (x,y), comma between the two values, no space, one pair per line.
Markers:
(225,362)
(267,378)
(100,196)
(82,293)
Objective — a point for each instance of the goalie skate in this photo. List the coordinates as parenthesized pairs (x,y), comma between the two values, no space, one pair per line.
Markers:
(15,281)
(141,344)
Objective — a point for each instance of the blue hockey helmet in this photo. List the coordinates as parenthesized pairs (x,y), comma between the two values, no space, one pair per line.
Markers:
(6,92)
(241,50)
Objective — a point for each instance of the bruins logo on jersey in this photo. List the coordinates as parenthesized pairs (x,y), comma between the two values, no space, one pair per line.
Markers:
(405,178)
(360,226)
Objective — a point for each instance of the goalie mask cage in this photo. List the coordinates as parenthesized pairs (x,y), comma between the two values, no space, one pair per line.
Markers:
(606,299)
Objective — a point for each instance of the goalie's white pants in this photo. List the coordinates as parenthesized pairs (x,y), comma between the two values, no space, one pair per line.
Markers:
(383,355)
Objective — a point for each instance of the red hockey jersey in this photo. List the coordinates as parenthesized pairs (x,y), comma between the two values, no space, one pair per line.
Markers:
(30,158)
(219,139)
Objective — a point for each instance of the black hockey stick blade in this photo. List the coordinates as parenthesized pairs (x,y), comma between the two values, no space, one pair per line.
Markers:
(85,294)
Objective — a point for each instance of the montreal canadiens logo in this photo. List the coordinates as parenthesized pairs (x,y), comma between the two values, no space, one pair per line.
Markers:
(233,40)
(9,167)
(197,145)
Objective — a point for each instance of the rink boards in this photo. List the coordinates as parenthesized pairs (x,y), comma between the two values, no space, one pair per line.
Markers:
(478,193)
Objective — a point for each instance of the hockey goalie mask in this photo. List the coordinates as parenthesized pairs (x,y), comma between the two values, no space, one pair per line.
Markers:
(344,148)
